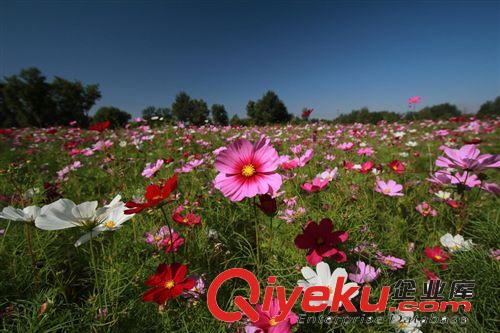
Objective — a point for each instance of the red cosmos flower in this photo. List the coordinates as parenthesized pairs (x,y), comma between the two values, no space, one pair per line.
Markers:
(189,219)
(348,165)
(155,195)
(168,282)
(430,274)
(453,203)
(267,204)
(397,166)
(367,167)
(99,127)
(437,254)
(321,241)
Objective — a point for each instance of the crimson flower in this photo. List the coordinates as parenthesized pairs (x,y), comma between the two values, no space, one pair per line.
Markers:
(397,166)
(437,254)
(267,204)
(367,167)
(99,127)
(155,195)
(321,241)
(189,219)
(168,282)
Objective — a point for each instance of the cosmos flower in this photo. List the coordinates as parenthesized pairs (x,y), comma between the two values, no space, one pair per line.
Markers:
(404,322)
(467,158)
(188,219)
(325,278)
(155,195)
(168,282)
(455,243)
(392,262)
(425,209)
(27,214)
(315,186)
(268,323)
(390,188)
(246,170)
(397,166)
(363,273)
(437,254)
(321,241)
(152,168)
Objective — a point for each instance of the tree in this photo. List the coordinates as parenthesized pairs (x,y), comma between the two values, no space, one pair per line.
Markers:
(73,100)
(490,109)
(235,120)
(439,111)
(194,111)
(117,117)
(182,107)
(200,112)
(27,99)
(268,110)
(152,111)
(219,115)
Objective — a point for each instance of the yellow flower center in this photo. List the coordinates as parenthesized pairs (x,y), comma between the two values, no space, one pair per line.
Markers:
(273,322)
(438,257)
(387,190)
(157,238)
(110,224)
(455,247)
(320,240)
(248,170)
(402,325)
(169,284)
(185,220)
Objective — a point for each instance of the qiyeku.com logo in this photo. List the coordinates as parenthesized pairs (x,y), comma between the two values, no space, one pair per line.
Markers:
(337,294)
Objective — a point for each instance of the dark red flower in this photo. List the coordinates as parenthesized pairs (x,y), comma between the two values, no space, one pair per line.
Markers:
(453,203)
(366,167)
(155,195)
(267,204)
(397,166)
(99,127)
(437,254)
(430,274)
(189,219)
(321,241)
(348,165)
(168,282)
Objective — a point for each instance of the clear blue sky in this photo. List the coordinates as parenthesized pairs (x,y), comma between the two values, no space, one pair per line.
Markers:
(332,56)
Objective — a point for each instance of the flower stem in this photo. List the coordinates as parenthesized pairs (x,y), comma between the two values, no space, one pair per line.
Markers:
(29,242)
(170,232)
(257,241)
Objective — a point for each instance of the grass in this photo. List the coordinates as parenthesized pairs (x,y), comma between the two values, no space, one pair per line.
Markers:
(74,288)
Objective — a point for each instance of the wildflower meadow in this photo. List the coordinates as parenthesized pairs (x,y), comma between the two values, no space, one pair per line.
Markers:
(124,230)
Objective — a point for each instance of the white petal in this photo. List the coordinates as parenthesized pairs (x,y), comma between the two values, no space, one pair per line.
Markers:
(52,222)
(86,237)
(13,214)
(323,271)
(31,212)
(85,210)
(310,275)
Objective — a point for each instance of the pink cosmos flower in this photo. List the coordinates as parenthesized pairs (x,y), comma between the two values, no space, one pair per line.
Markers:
(467,179)
(425,209)
(440,178)
(392,262)
(467,158)
(268,323)
(288,164)
(368,151)
(390,188)
(308,155)
(414,100)
(317,185)
(247,170)
(152,168)
(363,273)
(345,146)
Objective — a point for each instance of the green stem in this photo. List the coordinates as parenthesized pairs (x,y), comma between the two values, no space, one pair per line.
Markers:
(29,242)
(170,232)
(257,241)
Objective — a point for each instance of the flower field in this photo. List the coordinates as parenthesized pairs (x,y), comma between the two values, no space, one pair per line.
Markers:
(124,230)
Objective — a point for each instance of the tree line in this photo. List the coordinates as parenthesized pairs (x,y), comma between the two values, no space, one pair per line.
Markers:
(28,99)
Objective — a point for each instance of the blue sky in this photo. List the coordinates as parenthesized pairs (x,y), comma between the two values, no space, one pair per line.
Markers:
(331,56)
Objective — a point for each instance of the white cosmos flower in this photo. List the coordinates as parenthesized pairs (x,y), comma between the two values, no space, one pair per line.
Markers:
(110,220)
(412,144)
(64,214)
(27,214)
(455,243)
(323,277)
(443,195)
(404,322)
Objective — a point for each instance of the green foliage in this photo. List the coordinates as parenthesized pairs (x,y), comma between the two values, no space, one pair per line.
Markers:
(193,111)
(27,99)
(268,110)
(117,117)
(440,111)
(219,115)
(490,109)
(364,116)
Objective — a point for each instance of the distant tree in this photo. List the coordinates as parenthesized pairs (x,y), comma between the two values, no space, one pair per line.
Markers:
(27,99)
(235,120)
(73,100)
(268,110)
(219,115)
(152,111)
(440,111)
(117,117)
(364,116)
(182,107)
(200,113)
(490,109)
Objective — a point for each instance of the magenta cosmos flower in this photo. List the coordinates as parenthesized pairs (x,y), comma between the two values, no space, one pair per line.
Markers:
(391,188)
(363,273)
(467,158)
(268,323)
(247,169)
